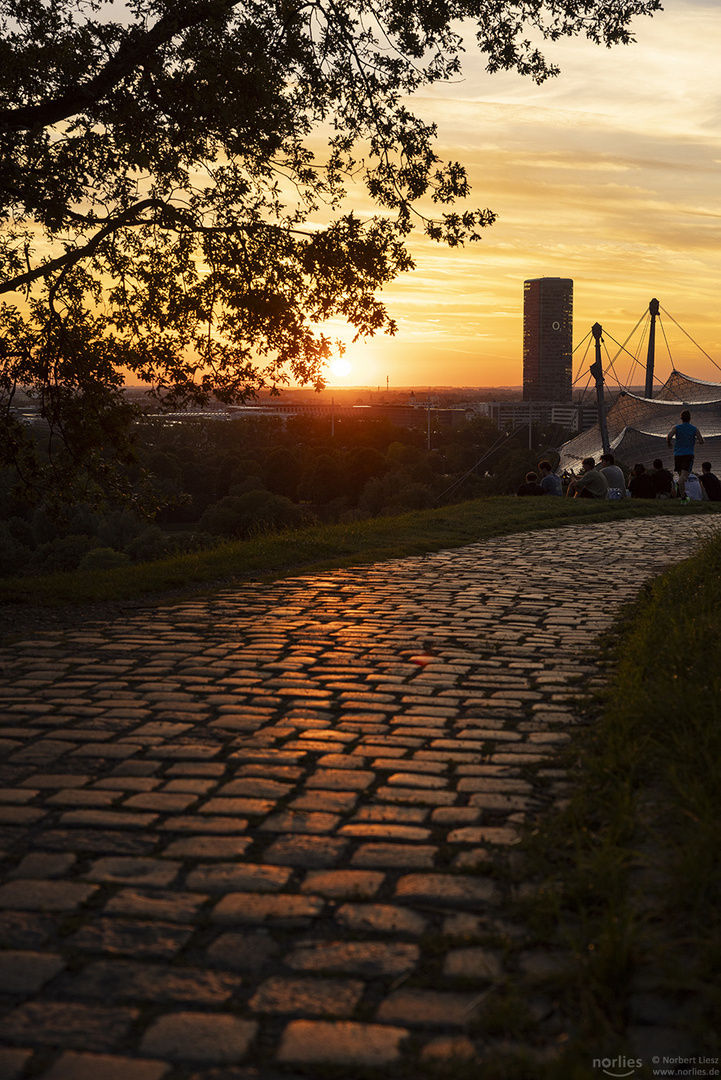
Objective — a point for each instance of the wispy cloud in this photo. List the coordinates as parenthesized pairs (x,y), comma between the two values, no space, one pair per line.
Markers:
(608,174)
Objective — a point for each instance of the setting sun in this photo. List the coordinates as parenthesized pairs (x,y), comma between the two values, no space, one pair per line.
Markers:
(341,367)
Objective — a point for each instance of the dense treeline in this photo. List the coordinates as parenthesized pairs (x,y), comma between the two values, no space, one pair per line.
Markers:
(197,481)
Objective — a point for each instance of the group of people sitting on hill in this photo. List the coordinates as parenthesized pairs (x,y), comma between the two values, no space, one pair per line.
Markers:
(608,481)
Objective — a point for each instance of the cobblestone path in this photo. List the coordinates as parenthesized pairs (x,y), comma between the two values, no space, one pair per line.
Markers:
(245,836)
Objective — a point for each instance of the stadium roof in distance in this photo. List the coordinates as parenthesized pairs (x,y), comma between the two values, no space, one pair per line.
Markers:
(638,426)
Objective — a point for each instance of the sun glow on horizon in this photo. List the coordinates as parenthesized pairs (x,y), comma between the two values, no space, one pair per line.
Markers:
(341,367)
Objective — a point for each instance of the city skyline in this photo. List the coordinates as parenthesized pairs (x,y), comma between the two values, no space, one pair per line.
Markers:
(607,174)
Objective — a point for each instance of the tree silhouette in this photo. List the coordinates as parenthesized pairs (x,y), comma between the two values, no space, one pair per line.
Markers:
(172,182)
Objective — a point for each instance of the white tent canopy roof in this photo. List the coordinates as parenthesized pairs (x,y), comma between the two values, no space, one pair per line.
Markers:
(638,426)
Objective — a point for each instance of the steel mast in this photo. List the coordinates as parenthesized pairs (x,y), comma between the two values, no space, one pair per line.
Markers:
(651,354)
(596,370)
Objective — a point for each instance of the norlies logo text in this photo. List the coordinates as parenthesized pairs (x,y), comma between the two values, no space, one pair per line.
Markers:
(622,1066)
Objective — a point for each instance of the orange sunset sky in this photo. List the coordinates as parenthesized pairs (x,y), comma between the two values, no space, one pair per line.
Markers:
(607,174)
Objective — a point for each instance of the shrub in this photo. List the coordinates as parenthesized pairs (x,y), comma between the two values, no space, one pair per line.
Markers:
(83,521)
(118,529)
(364,463)
(413,497)
(323,480)
(187,543)
(21,531)
(44,526)
(150,544)
(394,493)
(13,555)
(283,471)
(249,483)
(60,555)
(166,466)
(103,558)
(239,515)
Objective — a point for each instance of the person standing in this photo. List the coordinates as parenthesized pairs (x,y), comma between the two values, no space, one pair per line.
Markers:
(683,438)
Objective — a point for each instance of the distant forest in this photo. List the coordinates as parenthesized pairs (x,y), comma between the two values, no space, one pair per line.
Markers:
(195,482)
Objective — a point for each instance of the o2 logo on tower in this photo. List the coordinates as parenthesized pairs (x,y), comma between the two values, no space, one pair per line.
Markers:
(618,1067)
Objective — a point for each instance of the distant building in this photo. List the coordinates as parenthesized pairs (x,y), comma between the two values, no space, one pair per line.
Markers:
(547,339)
(511,415)
(411,416)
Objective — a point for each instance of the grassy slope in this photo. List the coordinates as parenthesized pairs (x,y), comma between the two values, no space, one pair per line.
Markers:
(664,706)
(327,546)
(637,853)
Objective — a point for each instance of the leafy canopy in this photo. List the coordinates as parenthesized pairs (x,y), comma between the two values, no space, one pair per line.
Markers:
(172,182)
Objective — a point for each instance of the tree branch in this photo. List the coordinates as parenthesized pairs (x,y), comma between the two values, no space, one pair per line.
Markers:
(135,48)
(129,217)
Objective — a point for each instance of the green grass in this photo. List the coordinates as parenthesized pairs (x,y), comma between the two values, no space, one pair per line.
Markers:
(637,852)
(324,547)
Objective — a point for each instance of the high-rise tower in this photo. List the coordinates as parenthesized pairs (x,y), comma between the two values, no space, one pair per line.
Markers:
(547,339)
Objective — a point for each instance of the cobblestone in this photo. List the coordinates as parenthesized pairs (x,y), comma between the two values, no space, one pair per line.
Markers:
(124,980)
(343,883)
(369,958)
(131,937)
(281,909)
(381,919)
(13,1062)
(44,895)
(158,904)
(76,1066)
(25,972)
(395,856)
(204,1038)
(344,1043)
(308,997)
(237,877)
(429,1008)
(54,1023)
(129,871)
(252,831)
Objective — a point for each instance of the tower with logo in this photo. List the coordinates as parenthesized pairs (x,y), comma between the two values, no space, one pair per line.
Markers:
(547,339)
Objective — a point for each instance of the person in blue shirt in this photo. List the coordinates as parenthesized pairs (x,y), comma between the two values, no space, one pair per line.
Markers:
(683,439)
(550,483)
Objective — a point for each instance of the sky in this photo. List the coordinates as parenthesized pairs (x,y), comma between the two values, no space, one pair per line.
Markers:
(608,174)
